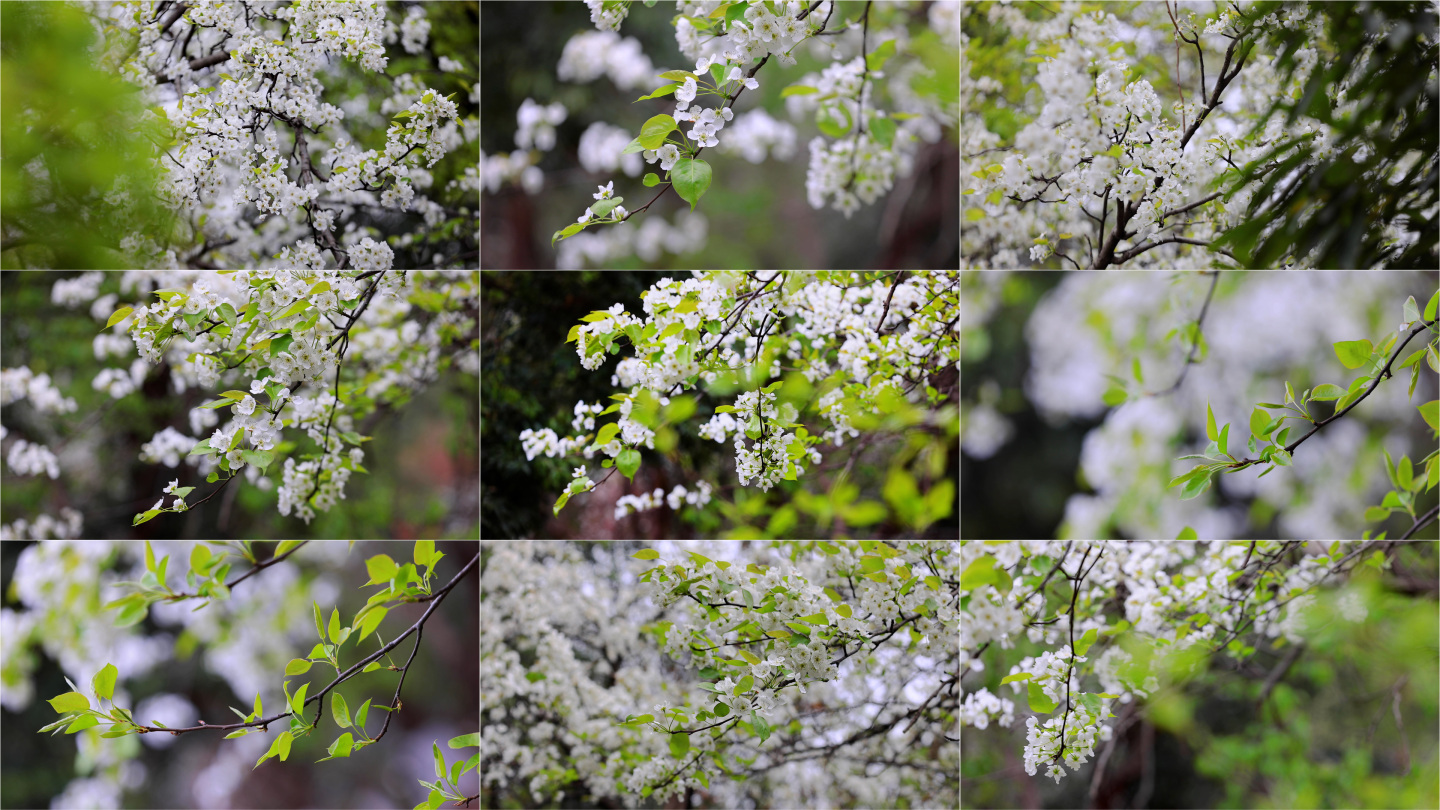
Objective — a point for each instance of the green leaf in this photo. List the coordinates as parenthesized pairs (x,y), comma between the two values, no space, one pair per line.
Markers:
(628,462)
(1114,151)
(679,75)
(1210,432)
(372,620)
(835,121)
(659,91)
(654,132)
(651,179)
(1353,353)
(297,666)
(1429,412)
(1115,396)
(877,58)
(1431,306)
(646,554)
(691,178)
(1405,473)
(83,722)
(145,517)
(1259,421)
(604,207)
(381,568)
(371,667)
(607,434)
(679,745)
(1224,440)
(1085,641)
(297,703)
(798,90)
(883,129)
(1186,533)
(1375,513)
(104,680)
(1411,310)
(1019,676)
(630,149)
(334,626)
(260,458)
(1040,703)
(340,710)
(745,685)
(1325,392)
(342,746)
(118,316)
(294,309)
(1281,457)
(69,702)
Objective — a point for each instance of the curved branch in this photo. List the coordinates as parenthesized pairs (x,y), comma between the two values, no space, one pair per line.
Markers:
(1194,346)
(1384,373)
(252,572)
(1421,522)
(342,677)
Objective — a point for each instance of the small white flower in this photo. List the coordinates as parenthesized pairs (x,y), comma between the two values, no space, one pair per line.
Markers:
(174,485)
(606,191)
(585,217)
(703,64)
(620,212)
(245,406)
(158,504)
(752,84)
(258,386)
(734,75)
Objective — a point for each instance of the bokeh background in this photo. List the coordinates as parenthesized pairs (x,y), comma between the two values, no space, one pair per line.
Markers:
(1044,456)
(756,215)
(423,461)
(179,666)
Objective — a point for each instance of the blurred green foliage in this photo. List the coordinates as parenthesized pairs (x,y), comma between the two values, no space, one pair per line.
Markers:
(70,133)
(1385,165)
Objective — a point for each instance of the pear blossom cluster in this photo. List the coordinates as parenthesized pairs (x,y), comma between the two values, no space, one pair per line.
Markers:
(1128,143)
(247,169)
(589,55)
(679,496)
(286,379)
(681,326)
(20,383)
(1186,595)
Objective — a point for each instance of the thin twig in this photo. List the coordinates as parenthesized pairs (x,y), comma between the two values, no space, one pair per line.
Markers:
(344,676)
(252,572)
(1195,345)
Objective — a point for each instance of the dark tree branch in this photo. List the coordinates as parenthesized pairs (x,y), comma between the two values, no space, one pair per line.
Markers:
(342,677)
(1195,345)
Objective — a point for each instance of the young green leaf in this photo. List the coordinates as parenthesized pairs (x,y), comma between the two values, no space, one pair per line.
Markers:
(372,620)
(1431,306)
(1186,533)
(361,713)
(1353,353)
(334,626)
(1040,703)
(381,569)
(691,177)
(297,666)
(1210,432)
(646,554)
(654,132)
(104,680)
(628,461)
(297,703)
(340,710)
(679,745)
(119,315)
(1083,644)
(1325,392)
(1019,676)
(69,702)
(1224,440)
(1411,310)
